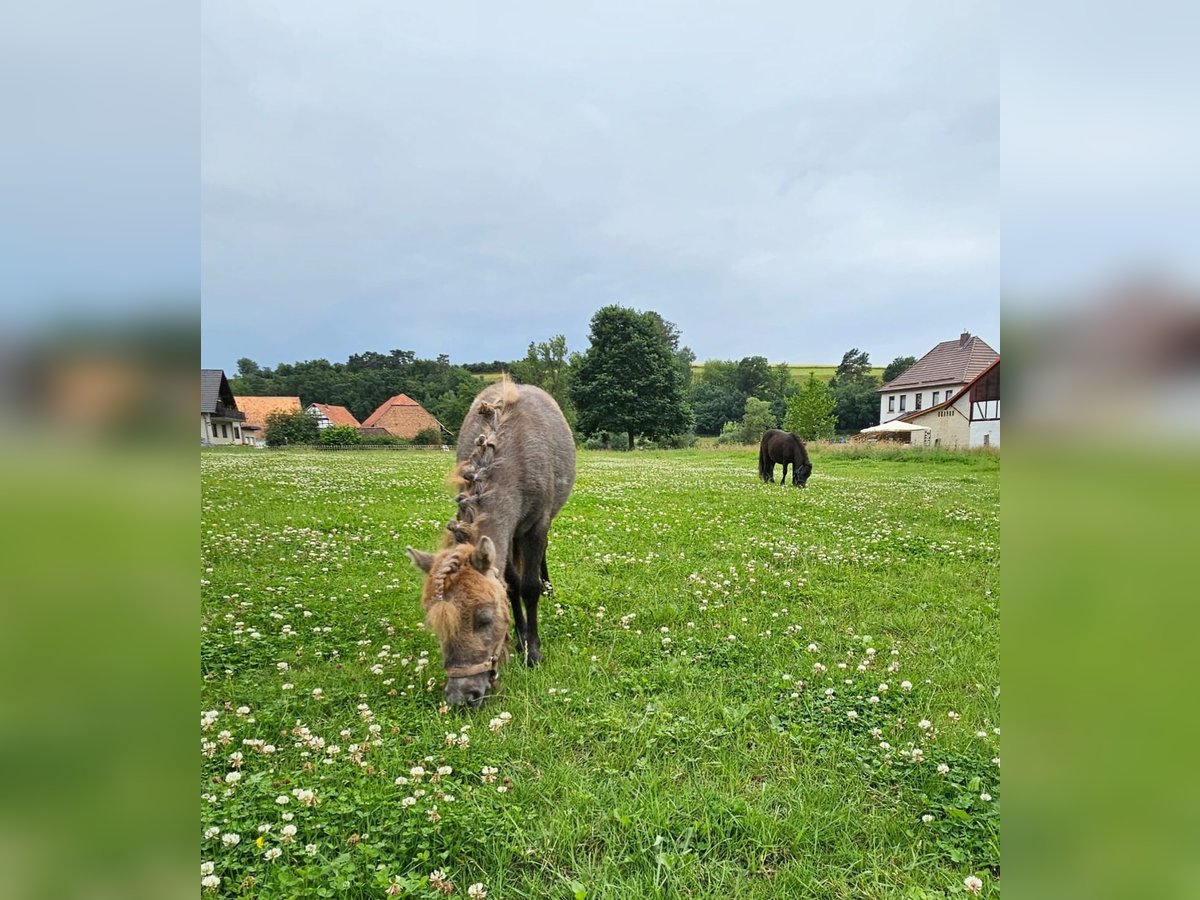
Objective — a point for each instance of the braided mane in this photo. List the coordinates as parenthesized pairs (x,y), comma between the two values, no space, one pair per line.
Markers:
(470,476)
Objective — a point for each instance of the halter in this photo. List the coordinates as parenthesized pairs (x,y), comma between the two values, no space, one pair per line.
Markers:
(491,665)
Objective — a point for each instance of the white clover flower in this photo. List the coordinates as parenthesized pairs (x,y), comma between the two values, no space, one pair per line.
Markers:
(502,789)
(408,801)
(282,799)
(210,882)
(233,777)
(287,816)
(942,769)
(263,829)
(417,772)
(812,648)
(953,716)
(310,849)
(906,685)
(288,832)
(243,710)
(924,724)
(445,770)
(273,854)
(853,714)
(981,734)
(872,699)
(401,780)
(985,797)
(476,891)
(231,839)
(288,686)
(918,755)
(206,868)
(210,833)
(882,689)
(973,884)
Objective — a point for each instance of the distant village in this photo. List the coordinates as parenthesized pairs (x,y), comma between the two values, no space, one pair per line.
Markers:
(948,399)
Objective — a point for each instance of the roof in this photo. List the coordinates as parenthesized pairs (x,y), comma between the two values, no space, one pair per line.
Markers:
(258,408)
(950,362)
(214,389)
(401,400)
(337,415)
(950,398)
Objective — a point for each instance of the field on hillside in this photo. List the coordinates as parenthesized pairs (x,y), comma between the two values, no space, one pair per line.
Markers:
(748,690)
(799,372)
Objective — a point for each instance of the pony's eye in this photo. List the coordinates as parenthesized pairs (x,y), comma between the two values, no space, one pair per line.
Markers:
(483,620)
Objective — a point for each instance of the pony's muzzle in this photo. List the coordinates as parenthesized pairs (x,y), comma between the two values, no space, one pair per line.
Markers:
(468,691)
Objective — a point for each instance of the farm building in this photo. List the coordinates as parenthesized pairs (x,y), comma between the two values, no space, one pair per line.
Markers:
(935,377)
(403,417)
(970,418)
(328,415)
(258,408)
(221,422)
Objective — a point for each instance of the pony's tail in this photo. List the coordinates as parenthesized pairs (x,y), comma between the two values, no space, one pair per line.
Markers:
(764,460)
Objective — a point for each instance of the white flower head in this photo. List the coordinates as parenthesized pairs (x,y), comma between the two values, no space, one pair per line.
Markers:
(476,891)
(973,884)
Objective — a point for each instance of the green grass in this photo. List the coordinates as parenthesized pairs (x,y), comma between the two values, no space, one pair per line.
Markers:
(677,740)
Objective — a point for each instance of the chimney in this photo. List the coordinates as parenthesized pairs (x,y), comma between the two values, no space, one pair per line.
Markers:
(963,338)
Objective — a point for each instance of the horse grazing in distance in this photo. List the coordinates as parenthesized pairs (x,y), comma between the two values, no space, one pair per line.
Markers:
(786,448)
(516,467)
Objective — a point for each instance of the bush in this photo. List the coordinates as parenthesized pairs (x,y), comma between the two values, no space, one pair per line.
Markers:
(604,440)
(291,428)
(731,433)
(684,441)
(341,434)
(427,437)
(383,440)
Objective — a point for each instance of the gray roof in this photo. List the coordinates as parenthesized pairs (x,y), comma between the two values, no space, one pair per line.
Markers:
(950,362)
(214,389)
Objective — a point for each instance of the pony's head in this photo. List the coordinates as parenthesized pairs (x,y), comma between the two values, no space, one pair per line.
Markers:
(466,606)
(801,472)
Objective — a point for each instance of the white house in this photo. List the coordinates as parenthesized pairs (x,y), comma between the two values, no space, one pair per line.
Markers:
(935,377)
(328,415)
(221,421)
(969,418)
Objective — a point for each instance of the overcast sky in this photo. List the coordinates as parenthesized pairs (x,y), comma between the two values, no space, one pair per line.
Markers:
(782,179)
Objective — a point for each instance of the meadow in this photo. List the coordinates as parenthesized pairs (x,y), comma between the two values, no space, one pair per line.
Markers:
(748,690)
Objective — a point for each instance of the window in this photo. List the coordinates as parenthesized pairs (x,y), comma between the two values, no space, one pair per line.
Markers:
(237,435)
(987,440)
(917,404)
(892,403)
(213,426)
(903,399)
(225,431)
(936,394)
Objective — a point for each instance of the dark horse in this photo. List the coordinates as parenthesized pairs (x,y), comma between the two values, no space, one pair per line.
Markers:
(516,466)
(783,447)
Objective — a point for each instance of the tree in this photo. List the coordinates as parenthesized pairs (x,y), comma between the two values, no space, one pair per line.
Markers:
(291,428)
(246,367)
(898,367)
(757,419)
(811,413)
(547,365)
(630,379)
(855,364)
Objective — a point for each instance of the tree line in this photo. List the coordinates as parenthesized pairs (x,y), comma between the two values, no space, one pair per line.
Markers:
(633,382)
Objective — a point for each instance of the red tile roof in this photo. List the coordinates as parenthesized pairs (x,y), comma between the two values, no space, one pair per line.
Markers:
(337,415)
(950,362)
(258,408)
(402,416)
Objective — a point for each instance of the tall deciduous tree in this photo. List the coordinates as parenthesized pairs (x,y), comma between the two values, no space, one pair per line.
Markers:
(811,413)
(630,379)
(547,365)
(898,367)
(854,389)
(756,420)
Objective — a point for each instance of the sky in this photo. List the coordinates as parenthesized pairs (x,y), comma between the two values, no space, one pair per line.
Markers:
(777,179)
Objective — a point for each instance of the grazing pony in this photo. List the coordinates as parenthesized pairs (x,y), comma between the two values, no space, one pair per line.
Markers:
(516,466)
(783,447)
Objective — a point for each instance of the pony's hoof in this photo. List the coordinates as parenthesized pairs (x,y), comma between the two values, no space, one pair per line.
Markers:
(532,657)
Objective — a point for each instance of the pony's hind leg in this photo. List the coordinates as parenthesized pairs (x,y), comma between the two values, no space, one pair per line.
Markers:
(783,473)
(513,583)
(547,587)
(533,548)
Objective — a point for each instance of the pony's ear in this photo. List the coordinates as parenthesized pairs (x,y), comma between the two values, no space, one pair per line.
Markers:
(485,555)
(420,559)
